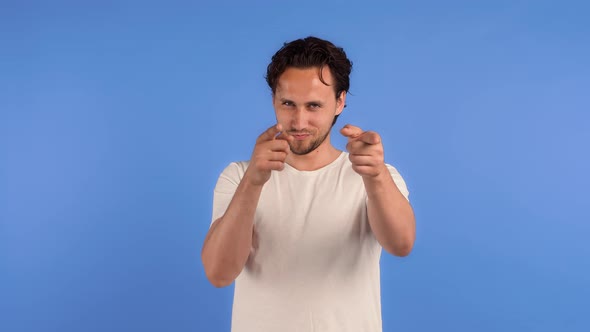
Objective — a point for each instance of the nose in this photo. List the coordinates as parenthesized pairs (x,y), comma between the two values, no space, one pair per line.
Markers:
(299,120)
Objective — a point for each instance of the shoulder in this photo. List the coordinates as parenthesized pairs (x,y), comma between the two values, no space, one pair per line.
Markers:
(399,180)
(392,169)
(234,171)
(236,167)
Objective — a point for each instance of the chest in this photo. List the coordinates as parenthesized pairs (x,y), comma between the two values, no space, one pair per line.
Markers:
(303,218)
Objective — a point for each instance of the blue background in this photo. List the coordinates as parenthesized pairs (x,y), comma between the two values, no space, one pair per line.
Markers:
(117,117)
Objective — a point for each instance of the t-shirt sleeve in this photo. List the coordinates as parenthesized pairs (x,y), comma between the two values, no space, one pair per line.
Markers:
(399,181)
(226,186)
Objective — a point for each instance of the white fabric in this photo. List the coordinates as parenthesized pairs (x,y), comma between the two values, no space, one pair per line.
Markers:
(314,265)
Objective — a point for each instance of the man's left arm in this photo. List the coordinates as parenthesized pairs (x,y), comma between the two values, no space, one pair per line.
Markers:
(390,214)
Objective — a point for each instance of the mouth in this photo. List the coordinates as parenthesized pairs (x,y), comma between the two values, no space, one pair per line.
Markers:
(299,136)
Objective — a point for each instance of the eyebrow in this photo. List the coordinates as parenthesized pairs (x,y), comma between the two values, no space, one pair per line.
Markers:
(311,102)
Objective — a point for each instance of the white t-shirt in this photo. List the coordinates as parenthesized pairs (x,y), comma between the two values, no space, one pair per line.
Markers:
(314,265)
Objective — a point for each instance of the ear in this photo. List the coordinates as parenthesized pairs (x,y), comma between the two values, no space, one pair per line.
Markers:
(340,102)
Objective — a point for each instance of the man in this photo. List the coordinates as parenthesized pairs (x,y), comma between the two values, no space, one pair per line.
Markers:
(300,226)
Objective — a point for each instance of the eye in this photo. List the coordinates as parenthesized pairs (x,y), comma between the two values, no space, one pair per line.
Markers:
(314,106)
(288,103)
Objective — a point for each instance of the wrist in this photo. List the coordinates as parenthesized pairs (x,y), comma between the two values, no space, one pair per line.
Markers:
(381,174)
(379,181)
(253,181)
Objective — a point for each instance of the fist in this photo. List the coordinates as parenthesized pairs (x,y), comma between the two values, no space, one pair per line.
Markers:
(365,151)
(270,152)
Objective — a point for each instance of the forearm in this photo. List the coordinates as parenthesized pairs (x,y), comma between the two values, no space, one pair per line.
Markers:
(390,214)
(228,243)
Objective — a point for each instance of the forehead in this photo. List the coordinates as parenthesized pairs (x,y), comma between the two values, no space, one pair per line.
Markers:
(305,83)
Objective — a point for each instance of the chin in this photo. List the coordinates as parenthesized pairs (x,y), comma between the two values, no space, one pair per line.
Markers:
(303,150)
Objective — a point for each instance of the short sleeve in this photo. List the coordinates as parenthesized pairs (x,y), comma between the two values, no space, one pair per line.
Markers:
(399,181)
(226,186)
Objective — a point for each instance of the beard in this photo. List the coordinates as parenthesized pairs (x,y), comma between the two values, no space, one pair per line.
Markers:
(301,148)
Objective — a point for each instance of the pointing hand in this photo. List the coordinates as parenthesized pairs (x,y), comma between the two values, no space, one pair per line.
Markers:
(365,151)
(270,152)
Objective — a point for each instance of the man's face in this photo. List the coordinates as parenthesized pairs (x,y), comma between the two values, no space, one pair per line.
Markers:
(306,107)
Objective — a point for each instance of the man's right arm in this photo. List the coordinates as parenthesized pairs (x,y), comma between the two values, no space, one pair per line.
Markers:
(229,240)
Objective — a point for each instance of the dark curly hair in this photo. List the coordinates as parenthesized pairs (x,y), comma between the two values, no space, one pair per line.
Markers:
(311,52)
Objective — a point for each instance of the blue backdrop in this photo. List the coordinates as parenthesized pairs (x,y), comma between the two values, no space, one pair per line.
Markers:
(117,117)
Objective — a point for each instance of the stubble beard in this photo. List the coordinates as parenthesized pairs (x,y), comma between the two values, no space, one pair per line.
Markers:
(303,150)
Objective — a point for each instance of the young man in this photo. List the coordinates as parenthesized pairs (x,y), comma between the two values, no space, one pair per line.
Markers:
(300,227)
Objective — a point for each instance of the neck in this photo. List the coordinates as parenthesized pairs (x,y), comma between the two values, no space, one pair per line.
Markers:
(316,159)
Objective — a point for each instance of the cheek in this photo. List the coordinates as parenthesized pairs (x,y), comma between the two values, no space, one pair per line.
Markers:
(326,119)
(282,117)
(320,120)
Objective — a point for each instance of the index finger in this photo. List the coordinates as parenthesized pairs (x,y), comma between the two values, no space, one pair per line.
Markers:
(351,131)
(370,137)
(270,133)
(284,135)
